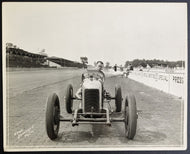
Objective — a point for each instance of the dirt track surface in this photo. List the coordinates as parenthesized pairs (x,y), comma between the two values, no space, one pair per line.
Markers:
(160,116)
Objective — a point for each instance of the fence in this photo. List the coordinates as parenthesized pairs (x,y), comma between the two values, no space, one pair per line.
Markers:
(172,83)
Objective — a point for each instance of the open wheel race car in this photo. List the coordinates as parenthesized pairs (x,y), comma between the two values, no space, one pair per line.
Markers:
(94,107)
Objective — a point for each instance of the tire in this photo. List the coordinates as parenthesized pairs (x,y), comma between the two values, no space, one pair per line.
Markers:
(130,116)
(68,99)
(118,98)
(52,116)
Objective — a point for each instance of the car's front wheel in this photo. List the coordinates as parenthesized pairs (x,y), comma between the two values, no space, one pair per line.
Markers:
(130,116)
(52,116)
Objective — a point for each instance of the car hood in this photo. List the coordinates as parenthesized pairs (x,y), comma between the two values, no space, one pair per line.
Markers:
(91,84)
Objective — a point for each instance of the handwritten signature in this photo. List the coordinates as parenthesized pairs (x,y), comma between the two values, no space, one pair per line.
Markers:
(24,133)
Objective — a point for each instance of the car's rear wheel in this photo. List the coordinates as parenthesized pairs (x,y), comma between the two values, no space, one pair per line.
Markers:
(130,116)
(69,99)
(52,116)
(118,98)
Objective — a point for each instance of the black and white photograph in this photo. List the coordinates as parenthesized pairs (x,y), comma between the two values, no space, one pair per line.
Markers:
(93,76)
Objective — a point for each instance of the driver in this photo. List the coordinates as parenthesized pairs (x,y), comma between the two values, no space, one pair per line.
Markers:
(99,67)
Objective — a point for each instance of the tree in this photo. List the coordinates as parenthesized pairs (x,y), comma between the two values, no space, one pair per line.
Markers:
(143,63)
(180,63)
(127,63)
(84,60)
(155,62)
(136,63)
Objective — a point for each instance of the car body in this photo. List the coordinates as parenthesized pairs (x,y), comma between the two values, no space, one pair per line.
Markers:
(92,108)
(92,91)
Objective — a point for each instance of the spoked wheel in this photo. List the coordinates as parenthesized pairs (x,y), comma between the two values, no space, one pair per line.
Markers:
(130,116)
(52,116)
(118,98)
(69,99)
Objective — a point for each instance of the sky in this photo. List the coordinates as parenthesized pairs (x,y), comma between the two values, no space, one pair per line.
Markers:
(111,32)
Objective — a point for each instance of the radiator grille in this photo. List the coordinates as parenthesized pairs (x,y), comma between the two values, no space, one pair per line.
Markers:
(91,99)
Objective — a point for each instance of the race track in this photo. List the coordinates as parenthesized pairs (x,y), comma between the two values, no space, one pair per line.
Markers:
(160,116)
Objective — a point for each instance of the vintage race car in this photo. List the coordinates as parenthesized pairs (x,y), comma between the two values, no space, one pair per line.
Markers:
(94,107)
